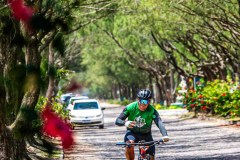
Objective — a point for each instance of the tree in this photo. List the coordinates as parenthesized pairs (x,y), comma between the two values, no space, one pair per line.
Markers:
(21,44)
(169,39)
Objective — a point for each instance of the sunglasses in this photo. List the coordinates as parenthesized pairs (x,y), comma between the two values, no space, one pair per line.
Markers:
(143,101)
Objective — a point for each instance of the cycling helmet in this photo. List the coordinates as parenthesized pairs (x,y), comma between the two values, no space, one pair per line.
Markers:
(144,94)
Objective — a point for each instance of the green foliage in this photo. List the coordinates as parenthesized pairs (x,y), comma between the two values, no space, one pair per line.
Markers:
(64,74)
(175,107)
(158,106)
(56,106)
(125,102)
(188,31)
(218,97)
(113,101)
(106,64)
(161,107)
(58,43)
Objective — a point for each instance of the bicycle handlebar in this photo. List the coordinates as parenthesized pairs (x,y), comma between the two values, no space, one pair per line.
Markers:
(140,143)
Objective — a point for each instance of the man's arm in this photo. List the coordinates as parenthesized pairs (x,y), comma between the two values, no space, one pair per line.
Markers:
(120,121)
(159,123)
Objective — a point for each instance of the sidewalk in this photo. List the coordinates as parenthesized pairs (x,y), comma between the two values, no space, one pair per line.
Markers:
(172,112)
(182,113)
(215,119)
(39,152)
(222,121)
(108,105)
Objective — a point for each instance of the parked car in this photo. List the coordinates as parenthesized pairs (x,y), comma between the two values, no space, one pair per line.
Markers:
(72,99)
(66,97)
(87,112)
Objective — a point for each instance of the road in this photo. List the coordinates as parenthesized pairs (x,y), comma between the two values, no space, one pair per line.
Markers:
(190,139)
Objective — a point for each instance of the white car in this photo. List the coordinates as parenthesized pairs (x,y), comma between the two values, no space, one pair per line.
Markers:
(65,97)
(87,112)
(72,99)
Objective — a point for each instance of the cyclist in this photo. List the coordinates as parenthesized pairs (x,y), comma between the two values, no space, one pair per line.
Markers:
(140,115)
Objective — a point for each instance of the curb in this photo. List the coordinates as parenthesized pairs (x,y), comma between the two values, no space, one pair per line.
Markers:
(221,121)
(172,112)
(226,122)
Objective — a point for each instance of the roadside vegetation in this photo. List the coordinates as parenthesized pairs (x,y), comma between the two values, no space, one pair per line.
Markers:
(156,106)
(214,98)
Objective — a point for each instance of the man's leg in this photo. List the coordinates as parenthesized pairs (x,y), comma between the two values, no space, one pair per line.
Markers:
(151,150)
(130,151)
(130,138)
(152,157)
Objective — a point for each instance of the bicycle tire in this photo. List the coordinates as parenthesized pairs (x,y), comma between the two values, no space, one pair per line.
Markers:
(139,157)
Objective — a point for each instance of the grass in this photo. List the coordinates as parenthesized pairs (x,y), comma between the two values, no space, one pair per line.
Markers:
(160,107)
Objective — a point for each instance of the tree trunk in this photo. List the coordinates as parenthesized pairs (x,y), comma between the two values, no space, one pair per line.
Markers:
(159,95)
(129,92)
(151,87)
(120,91)
(114,91)
(2,109)
(169,97)
(134,92)
(172,82)
(51,74)
(32,86)
(10,94)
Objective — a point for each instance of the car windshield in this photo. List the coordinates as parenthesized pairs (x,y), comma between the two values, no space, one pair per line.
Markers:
(85,105)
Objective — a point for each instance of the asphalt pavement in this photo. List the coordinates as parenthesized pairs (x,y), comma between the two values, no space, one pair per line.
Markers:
(191,139)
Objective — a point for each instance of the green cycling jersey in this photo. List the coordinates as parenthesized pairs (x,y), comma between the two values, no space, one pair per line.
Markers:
(143,119)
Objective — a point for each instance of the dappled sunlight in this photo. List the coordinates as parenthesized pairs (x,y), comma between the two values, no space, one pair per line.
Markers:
(189,139)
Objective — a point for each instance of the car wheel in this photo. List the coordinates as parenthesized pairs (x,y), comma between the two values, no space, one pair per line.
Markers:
(101,126)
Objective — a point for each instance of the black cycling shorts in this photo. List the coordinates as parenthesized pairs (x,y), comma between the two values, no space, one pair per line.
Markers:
(138,137)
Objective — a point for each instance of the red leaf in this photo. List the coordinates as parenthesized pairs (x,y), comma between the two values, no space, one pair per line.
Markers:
(204,107)
(56,127)
(224,94)
(20,11)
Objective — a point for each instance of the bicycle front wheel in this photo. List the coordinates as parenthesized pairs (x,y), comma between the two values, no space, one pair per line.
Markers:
(147,157)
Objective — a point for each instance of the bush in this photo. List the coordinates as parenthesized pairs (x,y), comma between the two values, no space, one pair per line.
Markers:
(217,97)
(56,106)
(157,106)
(125,102)
(175,107)
(113,101)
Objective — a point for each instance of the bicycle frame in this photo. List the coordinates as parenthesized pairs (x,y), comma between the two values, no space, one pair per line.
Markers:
(143,147)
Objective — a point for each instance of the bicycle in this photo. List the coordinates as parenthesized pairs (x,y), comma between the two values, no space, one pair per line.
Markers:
(143,147)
